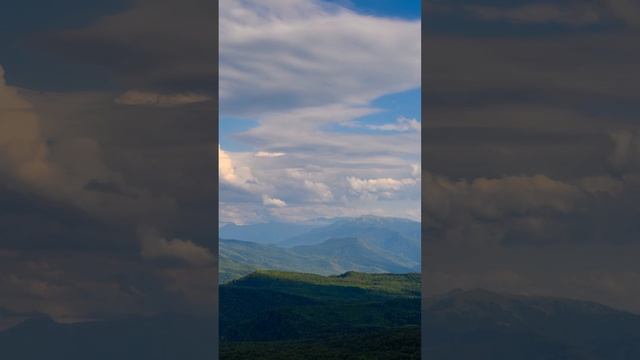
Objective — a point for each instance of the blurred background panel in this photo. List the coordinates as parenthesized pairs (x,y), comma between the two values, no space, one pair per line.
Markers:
(530,180)
(108,189)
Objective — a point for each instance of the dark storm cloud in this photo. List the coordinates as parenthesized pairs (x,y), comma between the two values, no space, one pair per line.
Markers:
(531,148)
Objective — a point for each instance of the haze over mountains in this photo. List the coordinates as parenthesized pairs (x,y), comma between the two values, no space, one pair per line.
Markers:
(323,246)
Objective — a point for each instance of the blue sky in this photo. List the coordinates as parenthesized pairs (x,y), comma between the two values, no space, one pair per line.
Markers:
(325,119)
(409,9)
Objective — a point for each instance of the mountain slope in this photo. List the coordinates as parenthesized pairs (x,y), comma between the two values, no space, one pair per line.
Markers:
(286,306)
(353,254)
(238,258)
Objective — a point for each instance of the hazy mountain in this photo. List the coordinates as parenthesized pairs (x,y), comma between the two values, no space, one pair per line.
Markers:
(354,254)
(239,258)
(333,256)
(394,235)
(266,233)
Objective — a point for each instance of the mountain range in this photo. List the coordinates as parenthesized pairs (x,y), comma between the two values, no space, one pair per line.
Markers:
(325,246)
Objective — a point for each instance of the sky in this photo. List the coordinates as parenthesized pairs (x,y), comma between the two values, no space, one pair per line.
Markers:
(530,165)
(319,110)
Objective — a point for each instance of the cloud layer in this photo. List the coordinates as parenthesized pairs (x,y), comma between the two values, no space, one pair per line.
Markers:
(297,68)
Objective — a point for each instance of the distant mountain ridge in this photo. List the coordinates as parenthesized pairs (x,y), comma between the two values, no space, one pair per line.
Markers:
(334,256)
(265,233)
(328,246)
(481,324)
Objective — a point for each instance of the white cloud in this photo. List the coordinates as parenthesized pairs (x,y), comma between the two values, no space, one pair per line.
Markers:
(376,185)
(266,154)
(231,173)
(320,190)
(226,170)
(275,57)
(402,124)
(416,170)
(271,201)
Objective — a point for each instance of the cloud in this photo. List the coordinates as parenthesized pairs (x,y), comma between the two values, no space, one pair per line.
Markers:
(376,185)
(416,170)
(626,152)
(381,188)
(402,124)
(321,191)
(226,169)
(67,168)
(497,198)
(601,184)
(136,97)
(282,64)
(266,154)
(267,63)
(229,172)
(156,247)
(23,150)
(271,201)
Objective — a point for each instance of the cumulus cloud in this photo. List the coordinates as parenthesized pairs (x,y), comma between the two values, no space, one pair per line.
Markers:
(380,188)
(233,174)
(376,185)
(226,170)
(271,201)
(321,191)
